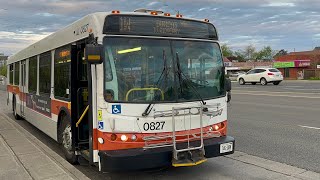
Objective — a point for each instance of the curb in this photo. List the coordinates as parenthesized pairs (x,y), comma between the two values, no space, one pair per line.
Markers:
(57,159)
(281,168)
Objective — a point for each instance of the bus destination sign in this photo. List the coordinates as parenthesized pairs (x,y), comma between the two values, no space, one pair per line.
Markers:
(158,26)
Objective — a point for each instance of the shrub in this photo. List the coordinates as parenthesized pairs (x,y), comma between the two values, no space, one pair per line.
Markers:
(314,78)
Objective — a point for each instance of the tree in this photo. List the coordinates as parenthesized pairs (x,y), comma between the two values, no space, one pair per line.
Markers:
(226,51)
(282,52)
(266,53)
(3,70)
(239,55)
(250,52)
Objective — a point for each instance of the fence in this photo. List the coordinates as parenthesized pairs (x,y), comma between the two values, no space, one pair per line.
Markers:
(309,73)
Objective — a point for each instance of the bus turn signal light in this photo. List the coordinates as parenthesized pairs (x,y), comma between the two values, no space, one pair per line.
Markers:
(113,137)
(179,15)
(167,14)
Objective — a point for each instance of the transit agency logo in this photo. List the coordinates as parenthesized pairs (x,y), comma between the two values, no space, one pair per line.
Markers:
(116,109)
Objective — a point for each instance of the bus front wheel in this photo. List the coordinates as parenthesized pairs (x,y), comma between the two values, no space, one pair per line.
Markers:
(65,138)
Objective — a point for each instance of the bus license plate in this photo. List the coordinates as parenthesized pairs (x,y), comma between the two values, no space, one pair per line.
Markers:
(226,147)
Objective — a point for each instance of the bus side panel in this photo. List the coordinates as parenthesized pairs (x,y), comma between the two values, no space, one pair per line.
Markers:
(14,91)
(56,107)
(42,122)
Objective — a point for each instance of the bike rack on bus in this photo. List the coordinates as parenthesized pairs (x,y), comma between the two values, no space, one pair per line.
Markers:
(173,139)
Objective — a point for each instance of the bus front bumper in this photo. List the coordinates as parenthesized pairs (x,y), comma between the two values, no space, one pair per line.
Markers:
(137,159)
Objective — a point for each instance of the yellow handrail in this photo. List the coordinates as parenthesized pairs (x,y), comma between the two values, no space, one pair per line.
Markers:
(84,113)
(144,89)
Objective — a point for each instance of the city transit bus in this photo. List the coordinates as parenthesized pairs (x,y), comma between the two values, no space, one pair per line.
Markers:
(127,91)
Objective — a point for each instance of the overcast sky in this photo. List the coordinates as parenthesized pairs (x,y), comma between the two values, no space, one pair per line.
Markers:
(282,24)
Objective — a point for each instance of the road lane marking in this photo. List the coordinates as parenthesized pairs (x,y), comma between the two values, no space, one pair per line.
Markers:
(301,89)
(309,127)
(277,95)
(275,105)
(277,92)
(294,86)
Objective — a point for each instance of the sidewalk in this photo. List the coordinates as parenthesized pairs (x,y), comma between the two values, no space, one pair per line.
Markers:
(22,156)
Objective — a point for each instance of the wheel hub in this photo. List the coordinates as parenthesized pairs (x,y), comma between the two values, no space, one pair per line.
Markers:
(67,138)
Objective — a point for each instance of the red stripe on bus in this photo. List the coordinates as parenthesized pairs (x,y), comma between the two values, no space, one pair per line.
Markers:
(13,89)
(56,106)
(140,143)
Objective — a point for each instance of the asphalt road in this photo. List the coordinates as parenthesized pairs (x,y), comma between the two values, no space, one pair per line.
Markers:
(267,121)
(280,123)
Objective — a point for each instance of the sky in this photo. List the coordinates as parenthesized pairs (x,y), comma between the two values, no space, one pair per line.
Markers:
(281,24)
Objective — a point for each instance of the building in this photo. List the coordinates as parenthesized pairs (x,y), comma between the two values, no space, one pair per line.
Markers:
(3,59)
(299,65)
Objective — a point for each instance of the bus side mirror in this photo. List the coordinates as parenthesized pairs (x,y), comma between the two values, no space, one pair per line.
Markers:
(227,84)
(94,53)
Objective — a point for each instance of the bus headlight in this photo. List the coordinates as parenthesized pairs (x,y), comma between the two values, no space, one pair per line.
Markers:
(216,127)
(101,141)
(124,138)
(133,137)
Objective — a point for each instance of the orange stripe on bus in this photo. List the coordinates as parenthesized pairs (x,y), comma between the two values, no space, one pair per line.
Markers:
(13,89)
(56,105)
(140,143)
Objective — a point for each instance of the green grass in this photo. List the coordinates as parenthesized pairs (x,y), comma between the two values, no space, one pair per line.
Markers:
(314,78)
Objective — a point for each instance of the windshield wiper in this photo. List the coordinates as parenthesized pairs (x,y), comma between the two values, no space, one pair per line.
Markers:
(164,73)
(188,80)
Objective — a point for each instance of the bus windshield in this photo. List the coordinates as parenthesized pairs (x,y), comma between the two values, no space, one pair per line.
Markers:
(161,70)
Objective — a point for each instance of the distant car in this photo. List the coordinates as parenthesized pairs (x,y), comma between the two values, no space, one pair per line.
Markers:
(233,75)
(262,76)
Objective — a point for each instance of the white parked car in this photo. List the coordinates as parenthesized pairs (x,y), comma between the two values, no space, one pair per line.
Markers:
(262,76)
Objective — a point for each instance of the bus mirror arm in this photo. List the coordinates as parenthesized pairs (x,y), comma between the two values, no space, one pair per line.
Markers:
(94,53)
(228,89)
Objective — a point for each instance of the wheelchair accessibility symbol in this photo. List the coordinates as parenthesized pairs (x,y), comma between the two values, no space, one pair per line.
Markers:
(100,125)
(116,109)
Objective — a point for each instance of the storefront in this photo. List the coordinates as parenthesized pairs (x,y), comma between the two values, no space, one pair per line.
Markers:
(292,69)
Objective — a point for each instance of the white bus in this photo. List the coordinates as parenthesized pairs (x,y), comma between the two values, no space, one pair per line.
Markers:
(126,91)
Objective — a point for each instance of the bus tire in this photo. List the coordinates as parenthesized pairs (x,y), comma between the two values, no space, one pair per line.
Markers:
(14,108)
(65,138)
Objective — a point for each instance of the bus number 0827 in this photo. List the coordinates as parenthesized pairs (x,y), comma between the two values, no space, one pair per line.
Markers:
(152,126)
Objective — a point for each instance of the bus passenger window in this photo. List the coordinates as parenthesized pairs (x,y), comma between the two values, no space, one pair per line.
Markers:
(62,64)
(16,73)
(11,74)
(45,73)
(33,66)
